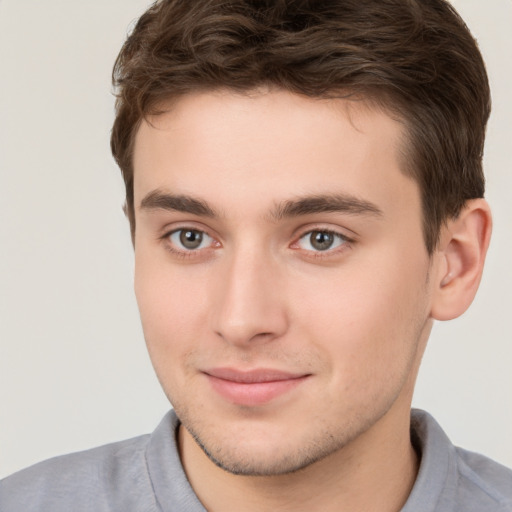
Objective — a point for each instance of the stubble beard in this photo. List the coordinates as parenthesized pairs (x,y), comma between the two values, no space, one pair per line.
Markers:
(282,465)
(323,441)
(294,453)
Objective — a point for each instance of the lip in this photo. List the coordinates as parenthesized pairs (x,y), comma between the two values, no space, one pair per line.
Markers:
(253,387)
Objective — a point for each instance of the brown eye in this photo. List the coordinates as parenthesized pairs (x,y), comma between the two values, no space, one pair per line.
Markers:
(190,238)
(321,240)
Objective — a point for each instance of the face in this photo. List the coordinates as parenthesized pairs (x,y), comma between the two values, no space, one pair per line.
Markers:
(281,273)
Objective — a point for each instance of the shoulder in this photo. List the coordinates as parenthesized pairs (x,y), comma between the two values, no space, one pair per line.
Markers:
(129,476)
(89,480)
(483,480)
(452,479)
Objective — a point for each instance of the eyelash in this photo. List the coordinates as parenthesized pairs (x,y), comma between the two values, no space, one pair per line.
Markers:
(346,243)
(184,253)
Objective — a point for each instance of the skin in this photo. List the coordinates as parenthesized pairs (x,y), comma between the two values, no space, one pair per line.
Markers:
(351,321)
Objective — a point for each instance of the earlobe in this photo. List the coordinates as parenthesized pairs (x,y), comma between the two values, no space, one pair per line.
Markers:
(460,260)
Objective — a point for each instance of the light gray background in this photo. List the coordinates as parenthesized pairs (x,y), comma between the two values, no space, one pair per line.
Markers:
(73,366)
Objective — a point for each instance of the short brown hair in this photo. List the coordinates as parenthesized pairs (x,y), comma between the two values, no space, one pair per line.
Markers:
(417,58)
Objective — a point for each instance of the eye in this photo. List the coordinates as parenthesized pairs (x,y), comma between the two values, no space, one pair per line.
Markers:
(321,241)
(190,239)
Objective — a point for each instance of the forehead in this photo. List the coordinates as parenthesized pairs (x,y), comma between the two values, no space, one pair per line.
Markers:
(223,145)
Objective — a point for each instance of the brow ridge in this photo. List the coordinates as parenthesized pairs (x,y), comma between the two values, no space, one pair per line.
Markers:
(330,203)
(307,205)
(159,200)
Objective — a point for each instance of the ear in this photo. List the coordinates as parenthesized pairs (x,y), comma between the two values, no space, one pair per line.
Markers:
(460,260)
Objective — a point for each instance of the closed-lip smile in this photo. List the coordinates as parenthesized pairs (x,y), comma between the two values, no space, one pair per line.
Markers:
(252,387)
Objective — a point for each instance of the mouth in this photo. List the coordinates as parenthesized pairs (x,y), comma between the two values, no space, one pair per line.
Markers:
(254,387)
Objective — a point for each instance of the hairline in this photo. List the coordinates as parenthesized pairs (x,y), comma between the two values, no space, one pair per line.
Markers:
(383,101)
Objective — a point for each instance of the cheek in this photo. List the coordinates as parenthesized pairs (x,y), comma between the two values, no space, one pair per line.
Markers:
(170,310)
(366,320)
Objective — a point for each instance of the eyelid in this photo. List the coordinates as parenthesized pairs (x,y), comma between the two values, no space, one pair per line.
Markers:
(205,239)
(343,232)
(171,227)
(181,251)
(329,232)
(347,241)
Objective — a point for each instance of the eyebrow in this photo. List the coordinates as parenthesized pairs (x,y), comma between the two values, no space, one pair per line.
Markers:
(331,203)
(158,200)
(307,205)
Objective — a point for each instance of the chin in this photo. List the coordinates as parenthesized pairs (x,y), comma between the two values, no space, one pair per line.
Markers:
(270,461)
(264,449)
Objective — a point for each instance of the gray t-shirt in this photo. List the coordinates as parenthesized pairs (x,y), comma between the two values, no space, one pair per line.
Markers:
(144,474)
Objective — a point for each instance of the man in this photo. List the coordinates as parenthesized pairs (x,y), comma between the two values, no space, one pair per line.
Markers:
(305,195)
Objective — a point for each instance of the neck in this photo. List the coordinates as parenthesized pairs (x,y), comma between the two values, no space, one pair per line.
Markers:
(376,471)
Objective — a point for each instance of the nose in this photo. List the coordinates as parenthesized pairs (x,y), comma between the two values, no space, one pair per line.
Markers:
(250,303)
